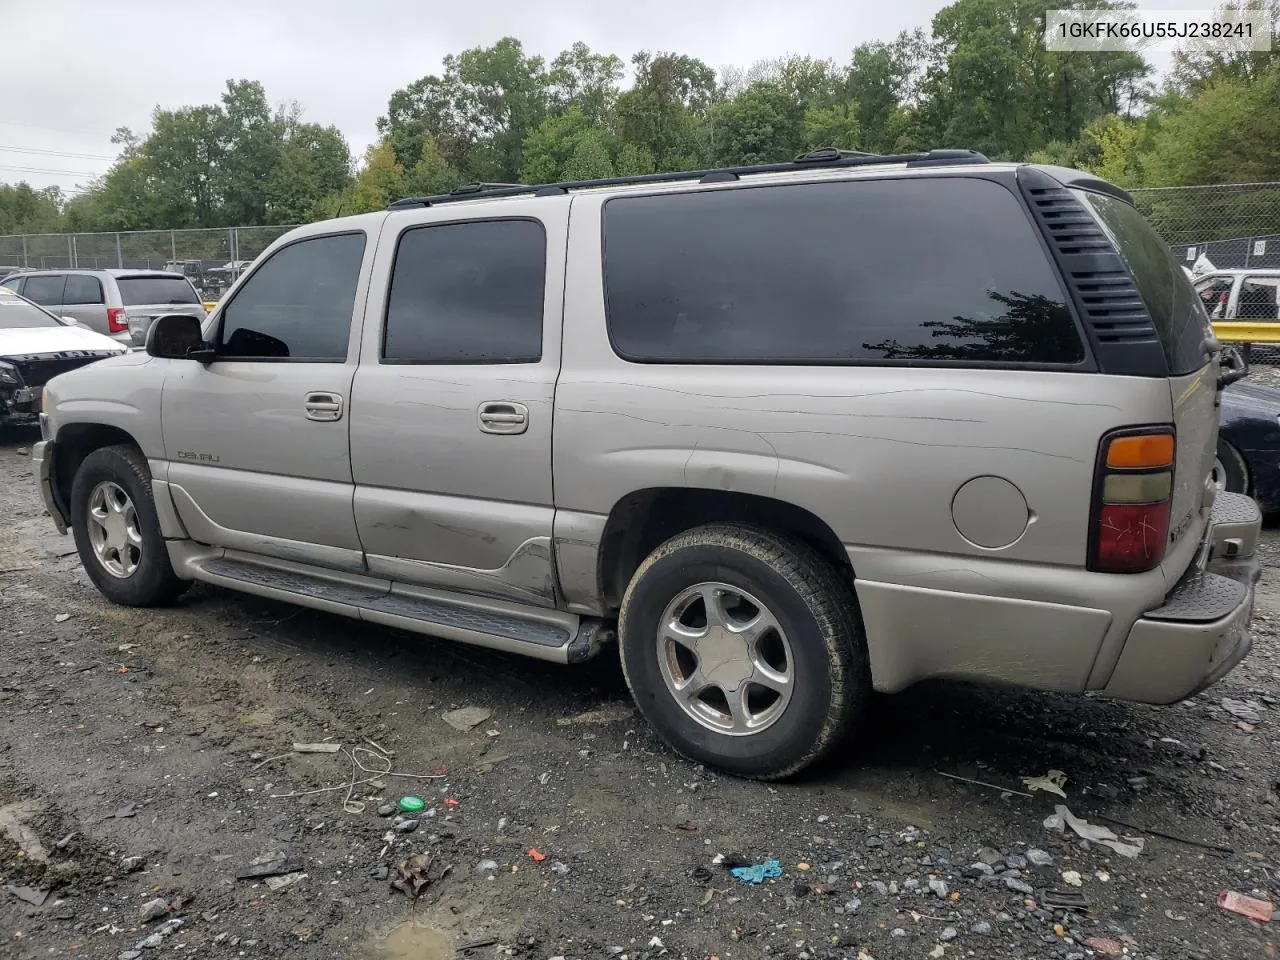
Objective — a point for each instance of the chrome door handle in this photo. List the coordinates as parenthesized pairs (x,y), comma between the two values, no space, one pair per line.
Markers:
(504,417)
(325,407)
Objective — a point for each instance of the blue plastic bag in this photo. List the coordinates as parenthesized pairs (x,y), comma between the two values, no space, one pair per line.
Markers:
(757,873)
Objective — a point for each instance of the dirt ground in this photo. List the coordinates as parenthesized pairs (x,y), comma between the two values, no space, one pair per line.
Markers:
(167,736)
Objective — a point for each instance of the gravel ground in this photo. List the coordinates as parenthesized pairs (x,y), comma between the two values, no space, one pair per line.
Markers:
(146,763)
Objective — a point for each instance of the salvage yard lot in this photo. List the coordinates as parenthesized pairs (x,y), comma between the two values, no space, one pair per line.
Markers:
(167,736)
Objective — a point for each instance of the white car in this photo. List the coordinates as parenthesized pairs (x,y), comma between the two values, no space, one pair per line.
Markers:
(36,346)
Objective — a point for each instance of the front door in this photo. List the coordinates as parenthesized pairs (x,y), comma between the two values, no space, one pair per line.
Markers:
(451,421)
(257,440)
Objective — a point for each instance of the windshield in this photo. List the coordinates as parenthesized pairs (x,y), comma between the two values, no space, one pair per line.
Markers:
(16,312)
(151,291)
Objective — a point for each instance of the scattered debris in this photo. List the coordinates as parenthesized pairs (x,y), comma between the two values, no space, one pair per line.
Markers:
(12,817)
(153,910)
(62,618)
(287,880)
(412,804)
(1168,836)
(758,872)
(1062,817)
(126,811)
(386,810)
(688,826)
(466,718)
(414,875)
(1072,877)
(1250,907)
(487,866)
(131,864)
(316,747)
(982,783)
(939,887)
(405,825)
(1105,946)
(610,713)
(274,865)
(948,933)
(29,895)
(537,855)
(1248,711)
(1039,858)
(1051,782)
(1062,900)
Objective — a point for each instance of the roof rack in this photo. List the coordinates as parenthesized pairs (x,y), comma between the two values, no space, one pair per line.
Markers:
(825,157)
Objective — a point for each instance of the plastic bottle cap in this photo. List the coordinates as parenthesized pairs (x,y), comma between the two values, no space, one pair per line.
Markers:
(412,804)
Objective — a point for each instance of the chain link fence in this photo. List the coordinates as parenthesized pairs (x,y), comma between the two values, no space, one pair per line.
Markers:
(212,258)
(1228,226)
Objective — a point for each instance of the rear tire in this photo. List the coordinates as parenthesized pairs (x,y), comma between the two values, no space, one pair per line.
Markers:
(744,649)
(117,531)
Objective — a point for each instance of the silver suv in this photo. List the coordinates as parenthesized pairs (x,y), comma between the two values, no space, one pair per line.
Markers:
(789,433)
(118,303)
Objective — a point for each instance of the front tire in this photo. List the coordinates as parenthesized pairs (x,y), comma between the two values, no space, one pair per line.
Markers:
(743,648)
(1230,473)
(117,531)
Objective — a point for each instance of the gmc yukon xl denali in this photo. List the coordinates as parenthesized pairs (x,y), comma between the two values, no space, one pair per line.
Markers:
(786,433)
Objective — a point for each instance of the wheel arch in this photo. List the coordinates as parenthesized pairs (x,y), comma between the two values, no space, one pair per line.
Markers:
(74,442)
(643,519)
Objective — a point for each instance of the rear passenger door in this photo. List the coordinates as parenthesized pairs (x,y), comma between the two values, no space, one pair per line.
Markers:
(451,418)
(1259,299)
(82,299)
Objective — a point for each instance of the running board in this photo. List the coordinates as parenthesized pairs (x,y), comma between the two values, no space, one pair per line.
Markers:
(546,634)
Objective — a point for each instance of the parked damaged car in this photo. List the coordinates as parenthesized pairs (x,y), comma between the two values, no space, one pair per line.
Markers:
(36,346)
(1249,444)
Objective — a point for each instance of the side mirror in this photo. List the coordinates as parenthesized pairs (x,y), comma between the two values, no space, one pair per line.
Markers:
(178,337)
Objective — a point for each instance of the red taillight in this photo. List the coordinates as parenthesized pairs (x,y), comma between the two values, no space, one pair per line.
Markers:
(1131,501)
(116,322)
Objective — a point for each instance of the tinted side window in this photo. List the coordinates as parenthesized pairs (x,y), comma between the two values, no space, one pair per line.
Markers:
(298,304)
(468,293)
(46,291)
(856,271)
(14,284)
(82,289)
(1179,315)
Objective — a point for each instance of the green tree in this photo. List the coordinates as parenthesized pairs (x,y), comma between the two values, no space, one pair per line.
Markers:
(764,123)
(664,112)
(26,210)
(432,173)
(586,80)
(380,181)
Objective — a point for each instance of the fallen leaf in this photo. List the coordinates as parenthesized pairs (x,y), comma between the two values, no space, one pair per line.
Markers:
(1051,782)
(537,855)
(414,875)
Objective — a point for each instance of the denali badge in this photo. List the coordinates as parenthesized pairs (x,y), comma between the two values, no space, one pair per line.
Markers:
(1181,528)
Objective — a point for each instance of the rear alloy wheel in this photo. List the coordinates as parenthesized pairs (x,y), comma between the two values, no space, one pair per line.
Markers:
(743,648)
(117,532)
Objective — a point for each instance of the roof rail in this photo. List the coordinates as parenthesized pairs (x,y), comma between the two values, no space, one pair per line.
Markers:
(825,157)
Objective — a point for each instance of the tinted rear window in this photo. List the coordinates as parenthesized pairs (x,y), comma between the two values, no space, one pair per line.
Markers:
(939,269)
(1178,312)
(150,291)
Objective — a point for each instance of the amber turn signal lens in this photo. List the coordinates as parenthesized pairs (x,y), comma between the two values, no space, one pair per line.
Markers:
(1143,450)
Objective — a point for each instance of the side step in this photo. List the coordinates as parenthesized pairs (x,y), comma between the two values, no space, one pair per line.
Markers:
(545,634)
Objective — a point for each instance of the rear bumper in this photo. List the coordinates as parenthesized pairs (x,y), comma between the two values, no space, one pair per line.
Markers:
(1201,630)
(42,462)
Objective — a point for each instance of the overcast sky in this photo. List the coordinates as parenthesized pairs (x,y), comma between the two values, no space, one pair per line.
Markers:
(72,72)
